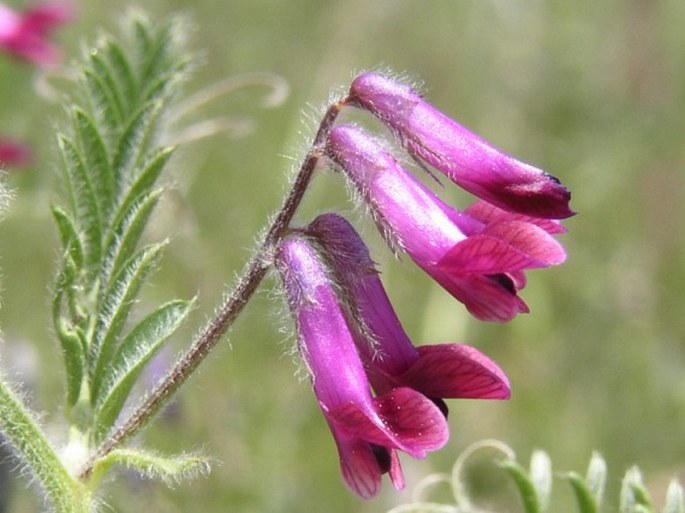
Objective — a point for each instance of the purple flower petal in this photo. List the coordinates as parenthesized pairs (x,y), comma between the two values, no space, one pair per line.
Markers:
(478,263)
(464,157)
(367,430)
(456,371)
(25,35)
(410,422)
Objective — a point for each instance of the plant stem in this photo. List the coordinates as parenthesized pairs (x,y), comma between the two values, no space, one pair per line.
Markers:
(27,439)
(254,272)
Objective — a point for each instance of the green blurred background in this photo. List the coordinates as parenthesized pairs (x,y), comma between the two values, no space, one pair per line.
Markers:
(592,91)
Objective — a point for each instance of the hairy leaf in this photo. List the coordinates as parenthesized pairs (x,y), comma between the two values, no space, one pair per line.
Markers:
(97,160)
(675,498)
(71,243)
(585,499)
(84,199)
(115,307)
(135,351)
(634,495)
(170,469)
(123,72)
(135,138)
(541,477)
(105,104)
(126,232)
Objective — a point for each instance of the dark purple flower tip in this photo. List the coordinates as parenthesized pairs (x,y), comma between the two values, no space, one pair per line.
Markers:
(478,262)
(362,465)
(488,213)
(467,159)
(368,449)
(488,297)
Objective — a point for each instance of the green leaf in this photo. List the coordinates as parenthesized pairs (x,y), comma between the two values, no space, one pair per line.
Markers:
(84,199)
(524,485)
(111,88)
(72,351)
(135,351)
(71,243)
(596,477)
(541,476)
(634,495)
(135,138)
(97,160)
(123,72)
(157,55)
(21,432)
(585,499)
(105,105)
(675,498)
(115,307)
(170,469)
(71,342)
(127,231)
(145,177)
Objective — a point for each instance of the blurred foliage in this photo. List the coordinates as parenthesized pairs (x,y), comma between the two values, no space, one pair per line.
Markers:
(593,92)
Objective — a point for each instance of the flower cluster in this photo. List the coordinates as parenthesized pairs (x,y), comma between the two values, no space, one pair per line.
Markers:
(378,392)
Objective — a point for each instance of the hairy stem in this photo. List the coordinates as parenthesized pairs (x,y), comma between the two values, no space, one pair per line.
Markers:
(31,446)
(254,272)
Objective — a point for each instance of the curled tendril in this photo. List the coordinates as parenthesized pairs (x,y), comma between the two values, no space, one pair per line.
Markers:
(420,502)
(236,127)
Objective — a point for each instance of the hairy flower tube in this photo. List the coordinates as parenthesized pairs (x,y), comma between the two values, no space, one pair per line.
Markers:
(24,35)
(479,263)
(367,430)
(438,371)
(464,157)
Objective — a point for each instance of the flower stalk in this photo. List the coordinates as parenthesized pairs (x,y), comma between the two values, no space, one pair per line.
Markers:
(254,272)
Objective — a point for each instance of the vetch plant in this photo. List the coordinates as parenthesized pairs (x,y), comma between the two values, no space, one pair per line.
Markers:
(378,392)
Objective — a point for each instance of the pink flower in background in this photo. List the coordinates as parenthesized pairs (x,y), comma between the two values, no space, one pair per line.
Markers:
(467,159)
(454,371)
(367,430)
(24,35)
(14,154)
(480,263)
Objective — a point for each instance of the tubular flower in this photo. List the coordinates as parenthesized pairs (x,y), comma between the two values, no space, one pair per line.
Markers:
(437,371)
(467,159)
(25,35)
(479,263)
(367,430)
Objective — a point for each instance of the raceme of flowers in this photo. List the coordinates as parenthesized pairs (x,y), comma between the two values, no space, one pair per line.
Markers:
(378,392)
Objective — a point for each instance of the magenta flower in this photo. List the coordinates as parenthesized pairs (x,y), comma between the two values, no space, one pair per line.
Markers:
(367,430)
(14,153)
(468,160)
(391,360)
(479,263)
(25,35)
